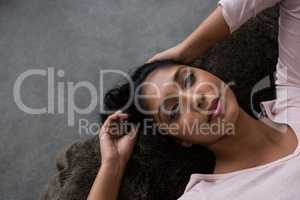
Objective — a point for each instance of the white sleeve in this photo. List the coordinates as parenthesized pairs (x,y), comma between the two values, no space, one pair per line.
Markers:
(237,12)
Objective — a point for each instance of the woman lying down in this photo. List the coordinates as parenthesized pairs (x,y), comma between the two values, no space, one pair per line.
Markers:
(255,159)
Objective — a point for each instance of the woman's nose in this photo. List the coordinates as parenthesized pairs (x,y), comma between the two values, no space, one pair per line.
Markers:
(200,103)
(194,102)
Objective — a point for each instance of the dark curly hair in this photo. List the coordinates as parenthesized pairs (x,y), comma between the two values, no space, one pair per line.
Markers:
(117,97)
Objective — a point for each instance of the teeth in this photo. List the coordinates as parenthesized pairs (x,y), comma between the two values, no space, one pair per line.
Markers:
(215,105)
(216,110)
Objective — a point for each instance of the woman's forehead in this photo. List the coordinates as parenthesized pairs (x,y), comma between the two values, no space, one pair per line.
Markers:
(157,80)
(157,85)
(161,76)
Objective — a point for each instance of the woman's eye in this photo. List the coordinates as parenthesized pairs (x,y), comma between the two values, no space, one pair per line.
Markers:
(174,112)
(189,80)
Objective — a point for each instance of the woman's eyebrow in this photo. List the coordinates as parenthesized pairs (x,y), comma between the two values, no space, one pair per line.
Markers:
(177,73)
(159,113)
(175,79)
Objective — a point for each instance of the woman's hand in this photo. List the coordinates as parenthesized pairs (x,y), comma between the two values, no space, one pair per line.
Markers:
(116,146)
(176,53)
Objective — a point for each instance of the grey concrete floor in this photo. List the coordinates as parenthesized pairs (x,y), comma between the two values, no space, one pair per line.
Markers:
(80,38)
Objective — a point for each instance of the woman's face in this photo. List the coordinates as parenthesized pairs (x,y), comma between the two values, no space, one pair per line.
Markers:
(190,104)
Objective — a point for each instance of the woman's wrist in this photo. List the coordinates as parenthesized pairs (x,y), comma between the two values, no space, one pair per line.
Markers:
(108,180)
(115,173)
(114,167)
(187,52)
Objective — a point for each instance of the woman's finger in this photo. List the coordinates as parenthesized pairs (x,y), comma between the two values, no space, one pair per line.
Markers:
(117,116)
(129,139)
(133,132)
(114,117)
(152,59)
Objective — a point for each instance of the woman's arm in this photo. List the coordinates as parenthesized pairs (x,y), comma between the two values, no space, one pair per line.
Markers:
(116,149)
(210,31)
(107,183)
(226,18)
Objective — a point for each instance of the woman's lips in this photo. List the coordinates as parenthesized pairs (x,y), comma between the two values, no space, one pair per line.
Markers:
(215,109)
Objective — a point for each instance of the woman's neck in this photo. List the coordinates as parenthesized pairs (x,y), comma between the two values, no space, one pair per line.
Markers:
(252,143)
